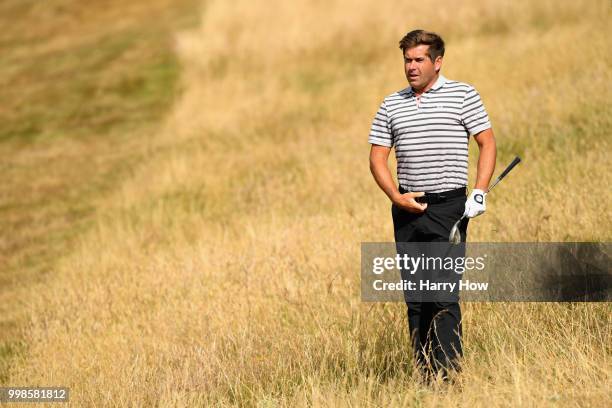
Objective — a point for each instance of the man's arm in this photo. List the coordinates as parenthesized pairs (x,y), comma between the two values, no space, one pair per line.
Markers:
(486,158)
(379,156)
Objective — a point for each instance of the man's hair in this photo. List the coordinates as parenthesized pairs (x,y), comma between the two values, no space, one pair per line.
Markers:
(422,37)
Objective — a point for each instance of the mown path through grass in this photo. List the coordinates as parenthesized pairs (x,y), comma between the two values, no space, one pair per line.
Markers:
(84,86)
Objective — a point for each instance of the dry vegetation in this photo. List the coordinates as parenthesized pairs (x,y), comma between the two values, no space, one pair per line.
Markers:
(84,86)
(225,269)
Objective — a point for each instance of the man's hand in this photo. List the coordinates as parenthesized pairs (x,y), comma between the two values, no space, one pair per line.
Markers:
(407,202)
(475,204)
(380,170)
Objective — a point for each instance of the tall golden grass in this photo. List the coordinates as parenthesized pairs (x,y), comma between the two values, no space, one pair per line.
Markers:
(225,270)
(83,84)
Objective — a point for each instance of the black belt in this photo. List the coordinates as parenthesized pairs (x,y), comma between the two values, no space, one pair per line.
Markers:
(434,198)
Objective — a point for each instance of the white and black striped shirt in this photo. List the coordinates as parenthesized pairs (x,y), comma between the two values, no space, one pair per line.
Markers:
(431,137)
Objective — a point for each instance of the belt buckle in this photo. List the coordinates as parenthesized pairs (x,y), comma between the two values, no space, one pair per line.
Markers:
(434,198)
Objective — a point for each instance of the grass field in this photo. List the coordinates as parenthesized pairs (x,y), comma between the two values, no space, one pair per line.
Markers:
(182,233)
(82,93)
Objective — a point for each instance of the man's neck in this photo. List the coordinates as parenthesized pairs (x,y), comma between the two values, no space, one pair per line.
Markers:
(426,87)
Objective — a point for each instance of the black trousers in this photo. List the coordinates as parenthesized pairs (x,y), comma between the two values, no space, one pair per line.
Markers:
(434,326)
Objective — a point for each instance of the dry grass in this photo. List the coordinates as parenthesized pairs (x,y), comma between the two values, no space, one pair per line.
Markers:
(84,85)
(225,270)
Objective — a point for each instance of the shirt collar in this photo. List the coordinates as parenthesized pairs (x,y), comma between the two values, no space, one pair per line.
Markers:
(437,85)
(439,82)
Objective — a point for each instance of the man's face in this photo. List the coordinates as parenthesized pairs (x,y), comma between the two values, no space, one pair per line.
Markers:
(420,70)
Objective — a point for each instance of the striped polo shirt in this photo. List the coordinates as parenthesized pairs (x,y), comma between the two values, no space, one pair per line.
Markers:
(431,135)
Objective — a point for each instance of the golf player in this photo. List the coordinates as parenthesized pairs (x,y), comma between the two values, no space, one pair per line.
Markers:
(429,123)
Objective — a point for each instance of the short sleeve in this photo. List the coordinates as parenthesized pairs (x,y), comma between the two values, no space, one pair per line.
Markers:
(473,114)
(380,132)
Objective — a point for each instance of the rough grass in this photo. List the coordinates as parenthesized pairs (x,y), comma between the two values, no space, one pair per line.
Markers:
(83,87)
(225,270)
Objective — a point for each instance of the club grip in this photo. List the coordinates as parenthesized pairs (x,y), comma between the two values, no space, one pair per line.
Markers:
(516,161)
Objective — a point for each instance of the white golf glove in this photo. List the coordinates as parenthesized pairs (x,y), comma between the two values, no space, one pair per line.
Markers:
(475,204)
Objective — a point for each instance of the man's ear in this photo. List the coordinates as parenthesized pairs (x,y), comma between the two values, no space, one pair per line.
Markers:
(438,63)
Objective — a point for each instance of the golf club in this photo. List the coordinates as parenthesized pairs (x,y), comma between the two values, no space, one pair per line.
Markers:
(455,234)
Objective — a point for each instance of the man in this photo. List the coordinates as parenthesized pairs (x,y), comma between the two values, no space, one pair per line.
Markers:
(429,124)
